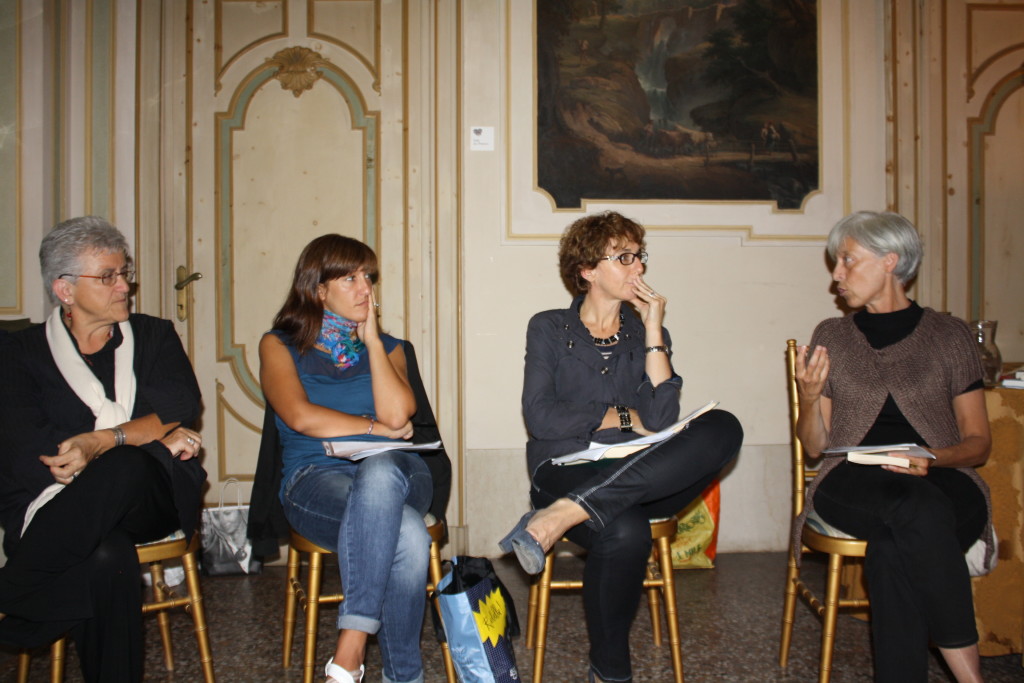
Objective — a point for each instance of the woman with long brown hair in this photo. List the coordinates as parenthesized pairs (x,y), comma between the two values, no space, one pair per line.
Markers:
(329,372)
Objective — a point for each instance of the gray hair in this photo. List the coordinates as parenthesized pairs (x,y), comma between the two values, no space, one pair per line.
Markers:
(881,233)
(61,250)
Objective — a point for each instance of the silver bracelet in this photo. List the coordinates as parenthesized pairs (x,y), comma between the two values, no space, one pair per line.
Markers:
(372,421)
(119,436)
(653,349)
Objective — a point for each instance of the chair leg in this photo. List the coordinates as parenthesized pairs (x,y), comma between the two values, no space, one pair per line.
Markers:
(156,573)
(671,616)
(788,610)
(541,619)
(653,604)
(316,568)
(435,578)
(531,616)
(290,600)
(195,594)
(828,626)
(24,660)
(57,656)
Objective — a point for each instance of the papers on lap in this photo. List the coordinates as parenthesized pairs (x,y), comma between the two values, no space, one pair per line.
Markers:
(893,454)
(357,450)
(602,451)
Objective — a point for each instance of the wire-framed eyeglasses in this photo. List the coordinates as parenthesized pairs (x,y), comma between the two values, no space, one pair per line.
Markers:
(626,258)
(109,278)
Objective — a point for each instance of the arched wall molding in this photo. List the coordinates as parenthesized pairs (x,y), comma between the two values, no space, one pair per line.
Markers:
(228,349)
(221,66)
(372,66)
(978,129)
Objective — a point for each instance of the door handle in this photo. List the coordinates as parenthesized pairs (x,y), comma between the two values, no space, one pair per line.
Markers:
(183,282)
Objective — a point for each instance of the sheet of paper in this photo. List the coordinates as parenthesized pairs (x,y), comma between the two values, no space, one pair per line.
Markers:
(357,450)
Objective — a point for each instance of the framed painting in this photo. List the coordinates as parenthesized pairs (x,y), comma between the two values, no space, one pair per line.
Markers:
(691,100)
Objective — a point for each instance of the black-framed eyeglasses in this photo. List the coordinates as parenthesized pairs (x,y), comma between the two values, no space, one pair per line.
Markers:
(626,258)
(109,279)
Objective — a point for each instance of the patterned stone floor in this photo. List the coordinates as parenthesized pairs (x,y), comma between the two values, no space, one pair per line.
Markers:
(730,619)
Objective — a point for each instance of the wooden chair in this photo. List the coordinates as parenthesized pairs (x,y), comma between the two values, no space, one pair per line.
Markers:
(164,598)
(311,597)
(660,585)
(817,536)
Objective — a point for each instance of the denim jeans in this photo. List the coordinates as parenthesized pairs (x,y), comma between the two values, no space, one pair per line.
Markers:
(372,511)
(622,496)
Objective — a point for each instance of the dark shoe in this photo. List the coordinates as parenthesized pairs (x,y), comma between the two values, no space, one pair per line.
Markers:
(594,678)
(528,551)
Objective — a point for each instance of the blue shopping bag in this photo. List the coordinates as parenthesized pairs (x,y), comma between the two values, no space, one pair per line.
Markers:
(479,620)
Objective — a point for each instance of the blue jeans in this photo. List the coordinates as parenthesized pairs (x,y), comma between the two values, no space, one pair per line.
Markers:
(372,511)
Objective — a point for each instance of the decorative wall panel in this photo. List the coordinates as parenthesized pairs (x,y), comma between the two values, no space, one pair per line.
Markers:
(10,168)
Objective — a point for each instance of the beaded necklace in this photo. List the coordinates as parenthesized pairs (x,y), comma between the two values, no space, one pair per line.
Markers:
(608,341)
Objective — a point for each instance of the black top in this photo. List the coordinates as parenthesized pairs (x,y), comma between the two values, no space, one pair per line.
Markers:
(38,410)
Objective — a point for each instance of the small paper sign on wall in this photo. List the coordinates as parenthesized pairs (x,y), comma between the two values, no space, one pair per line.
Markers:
(481,138)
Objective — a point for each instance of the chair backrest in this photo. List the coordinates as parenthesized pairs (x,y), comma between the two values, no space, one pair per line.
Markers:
(801,473)
(267,524)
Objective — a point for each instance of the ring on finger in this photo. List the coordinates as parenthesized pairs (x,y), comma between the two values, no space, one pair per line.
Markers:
(190,440)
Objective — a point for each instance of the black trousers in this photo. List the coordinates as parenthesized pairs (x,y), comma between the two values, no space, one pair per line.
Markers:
(622,496)
(917,529)
(76,570)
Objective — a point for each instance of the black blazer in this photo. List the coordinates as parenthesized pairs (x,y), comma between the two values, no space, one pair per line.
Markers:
(267,524)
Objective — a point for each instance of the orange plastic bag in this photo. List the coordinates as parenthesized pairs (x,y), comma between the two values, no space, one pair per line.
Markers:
(696,541)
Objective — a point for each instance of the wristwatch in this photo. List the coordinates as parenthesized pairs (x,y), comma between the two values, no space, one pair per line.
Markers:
(625,419)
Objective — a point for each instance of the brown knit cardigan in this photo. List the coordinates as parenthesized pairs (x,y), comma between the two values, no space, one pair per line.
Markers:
(924,372)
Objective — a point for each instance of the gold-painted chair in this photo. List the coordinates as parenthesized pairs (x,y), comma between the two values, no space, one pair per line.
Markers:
(164,598)
(660,585)
(819,537)
(310,596)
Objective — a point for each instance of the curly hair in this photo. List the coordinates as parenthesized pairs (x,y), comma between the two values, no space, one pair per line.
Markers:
(584,243)
(326,258)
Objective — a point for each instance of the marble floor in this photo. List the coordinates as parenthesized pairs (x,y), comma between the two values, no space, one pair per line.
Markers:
(730,619)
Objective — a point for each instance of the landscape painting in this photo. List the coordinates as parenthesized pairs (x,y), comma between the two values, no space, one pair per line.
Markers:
(677,100)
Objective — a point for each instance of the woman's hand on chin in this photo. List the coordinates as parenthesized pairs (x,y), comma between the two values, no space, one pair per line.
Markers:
(650,304)
(369,329)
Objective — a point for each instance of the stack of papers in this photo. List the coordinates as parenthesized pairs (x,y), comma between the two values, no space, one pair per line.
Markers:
(601,451)
(357,450)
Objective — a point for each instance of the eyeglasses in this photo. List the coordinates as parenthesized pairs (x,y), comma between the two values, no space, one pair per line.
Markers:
(109,279)
(627,258)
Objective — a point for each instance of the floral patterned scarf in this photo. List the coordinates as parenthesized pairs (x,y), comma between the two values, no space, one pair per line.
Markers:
(338,339)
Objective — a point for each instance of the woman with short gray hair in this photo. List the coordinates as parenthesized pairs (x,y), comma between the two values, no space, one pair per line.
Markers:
(895,373)
(93,380)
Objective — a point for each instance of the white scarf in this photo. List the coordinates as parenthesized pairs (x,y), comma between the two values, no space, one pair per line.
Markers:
(89,389)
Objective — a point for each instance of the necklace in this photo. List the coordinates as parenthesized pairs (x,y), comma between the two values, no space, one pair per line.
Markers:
(608,341)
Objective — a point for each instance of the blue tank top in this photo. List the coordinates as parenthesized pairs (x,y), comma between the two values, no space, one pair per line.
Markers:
(347,391)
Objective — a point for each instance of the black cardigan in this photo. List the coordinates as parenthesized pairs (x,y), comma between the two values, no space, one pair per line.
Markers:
(267,524)
(38,410)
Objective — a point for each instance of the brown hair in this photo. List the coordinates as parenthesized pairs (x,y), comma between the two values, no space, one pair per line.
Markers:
(326,258)
(583,245)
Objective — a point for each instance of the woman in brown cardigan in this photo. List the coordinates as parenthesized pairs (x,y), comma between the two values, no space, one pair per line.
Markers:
(894,372)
